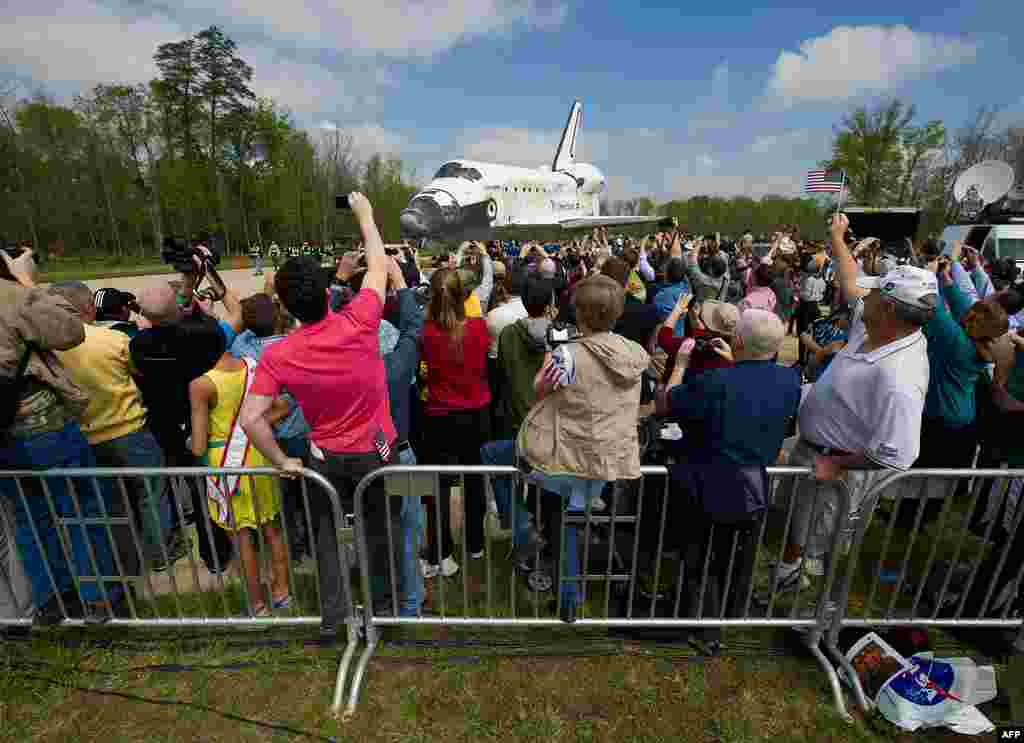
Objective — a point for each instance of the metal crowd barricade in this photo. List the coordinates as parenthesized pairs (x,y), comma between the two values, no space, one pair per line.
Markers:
(612,539)
(945,592)
(102,506)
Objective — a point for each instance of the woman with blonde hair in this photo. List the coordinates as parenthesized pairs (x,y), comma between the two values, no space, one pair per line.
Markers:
(457,418)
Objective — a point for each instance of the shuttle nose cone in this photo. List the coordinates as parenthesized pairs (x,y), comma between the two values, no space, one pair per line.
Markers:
(413,222)
(428,215)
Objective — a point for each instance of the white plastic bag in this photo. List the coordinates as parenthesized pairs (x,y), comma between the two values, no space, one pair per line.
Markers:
(923,691)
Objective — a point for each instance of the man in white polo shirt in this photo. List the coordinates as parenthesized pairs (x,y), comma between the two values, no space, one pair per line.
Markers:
(864,414)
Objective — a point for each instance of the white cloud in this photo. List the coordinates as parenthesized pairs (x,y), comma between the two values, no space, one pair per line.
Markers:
(307,88)
(784,143)
(369,139)
(82,43)
(87,41)
(855,60)
(699,125)
(527,147)
(397,28)
(706,161)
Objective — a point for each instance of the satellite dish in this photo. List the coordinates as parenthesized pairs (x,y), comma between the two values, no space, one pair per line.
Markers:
(987,181)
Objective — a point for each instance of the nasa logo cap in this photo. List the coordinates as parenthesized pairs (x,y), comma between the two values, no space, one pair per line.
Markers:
(907,284)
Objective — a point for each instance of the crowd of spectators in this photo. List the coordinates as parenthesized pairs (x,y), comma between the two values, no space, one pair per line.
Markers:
(542,356)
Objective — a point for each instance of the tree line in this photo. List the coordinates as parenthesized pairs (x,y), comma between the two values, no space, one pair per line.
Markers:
(192,153)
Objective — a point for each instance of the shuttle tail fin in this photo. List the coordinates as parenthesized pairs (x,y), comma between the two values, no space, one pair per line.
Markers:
(565,155)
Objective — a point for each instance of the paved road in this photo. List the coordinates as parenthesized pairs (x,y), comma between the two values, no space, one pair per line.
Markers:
(241,280)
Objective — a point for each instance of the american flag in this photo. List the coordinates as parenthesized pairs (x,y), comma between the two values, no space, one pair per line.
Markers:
(825,181)
(382,445)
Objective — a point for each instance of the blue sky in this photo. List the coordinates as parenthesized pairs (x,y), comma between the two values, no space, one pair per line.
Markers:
(675,104)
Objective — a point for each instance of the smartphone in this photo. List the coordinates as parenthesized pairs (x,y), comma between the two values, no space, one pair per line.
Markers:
(341,202)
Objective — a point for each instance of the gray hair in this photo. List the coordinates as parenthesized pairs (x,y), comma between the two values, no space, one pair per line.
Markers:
(158,304)
(911,315)
(761,332)
(76,292)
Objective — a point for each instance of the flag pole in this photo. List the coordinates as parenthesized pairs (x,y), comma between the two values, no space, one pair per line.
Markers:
(842,188)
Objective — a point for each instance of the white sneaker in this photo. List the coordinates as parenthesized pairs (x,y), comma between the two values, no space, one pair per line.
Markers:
(428,570)
(597,504)
(475,556)
(448,567)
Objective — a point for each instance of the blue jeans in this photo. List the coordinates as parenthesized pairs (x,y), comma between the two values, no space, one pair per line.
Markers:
(63,449)
(150,495)
(413,518)
(504,453)
(575,492)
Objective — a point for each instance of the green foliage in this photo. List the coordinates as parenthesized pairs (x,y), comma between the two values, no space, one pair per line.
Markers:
(869,147)
(191,153)
(735,216)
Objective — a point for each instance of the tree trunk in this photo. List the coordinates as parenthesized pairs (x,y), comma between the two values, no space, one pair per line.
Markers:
(154,200)
(139,237)
(113,219)
(241,206)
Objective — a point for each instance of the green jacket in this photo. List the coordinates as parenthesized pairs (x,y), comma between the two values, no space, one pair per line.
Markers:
(953,362)
(521,349)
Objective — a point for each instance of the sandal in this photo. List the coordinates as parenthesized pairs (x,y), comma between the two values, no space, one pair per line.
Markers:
(283,603)
(262,612)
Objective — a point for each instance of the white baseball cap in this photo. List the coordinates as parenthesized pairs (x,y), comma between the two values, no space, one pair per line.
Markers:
(907,284)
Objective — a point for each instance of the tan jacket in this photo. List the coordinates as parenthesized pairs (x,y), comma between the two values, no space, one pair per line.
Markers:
(589,428)
(50,323)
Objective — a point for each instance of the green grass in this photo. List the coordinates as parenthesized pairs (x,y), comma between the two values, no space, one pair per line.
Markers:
(640,693)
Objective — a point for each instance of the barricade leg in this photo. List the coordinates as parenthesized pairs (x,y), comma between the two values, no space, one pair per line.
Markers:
(43,551)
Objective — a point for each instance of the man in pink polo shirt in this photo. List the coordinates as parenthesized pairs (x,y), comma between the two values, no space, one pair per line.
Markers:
(333,368)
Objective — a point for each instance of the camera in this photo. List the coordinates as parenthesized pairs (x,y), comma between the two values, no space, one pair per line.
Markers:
(341,202)
(423,294)
(704,345)
(198,261)
(559,333)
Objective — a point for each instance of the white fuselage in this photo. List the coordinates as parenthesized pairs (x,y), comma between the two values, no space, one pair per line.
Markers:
(468,199)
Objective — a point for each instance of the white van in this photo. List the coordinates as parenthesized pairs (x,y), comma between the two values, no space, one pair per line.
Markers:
(994,241)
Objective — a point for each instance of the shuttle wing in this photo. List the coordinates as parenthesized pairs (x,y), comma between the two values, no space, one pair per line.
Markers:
(571,224)
(583,222)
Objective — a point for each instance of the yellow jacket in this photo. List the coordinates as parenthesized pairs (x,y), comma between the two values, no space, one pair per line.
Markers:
(101,365)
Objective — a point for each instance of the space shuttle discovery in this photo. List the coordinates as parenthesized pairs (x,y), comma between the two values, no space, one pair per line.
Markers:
(470,200)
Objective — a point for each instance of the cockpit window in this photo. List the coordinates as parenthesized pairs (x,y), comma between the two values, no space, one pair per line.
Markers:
(457,170)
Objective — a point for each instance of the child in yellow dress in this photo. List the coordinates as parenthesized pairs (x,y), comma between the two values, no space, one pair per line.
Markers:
(239,504)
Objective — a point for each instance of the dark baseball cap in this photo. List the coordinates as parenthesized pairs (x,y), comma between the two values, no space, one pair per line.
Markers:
(112,302)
